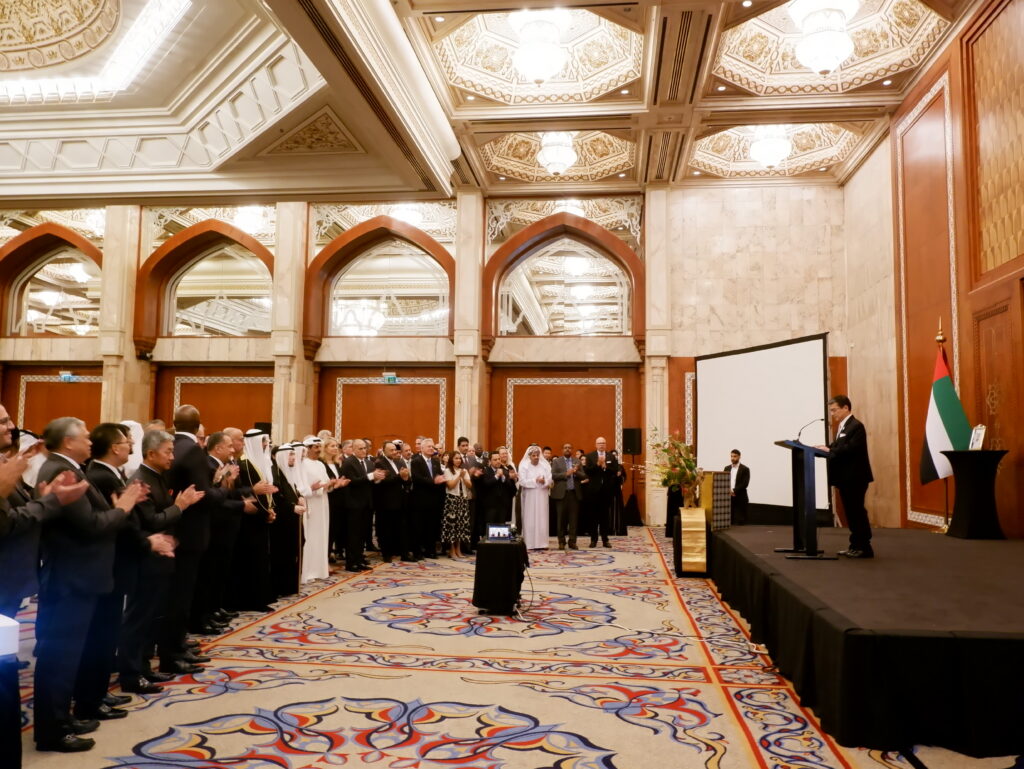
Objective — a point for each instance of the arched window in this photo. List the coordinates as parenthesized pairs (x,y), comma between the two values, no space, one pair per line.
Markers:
(565,288)
(393,289)
(58,295)
(224,292)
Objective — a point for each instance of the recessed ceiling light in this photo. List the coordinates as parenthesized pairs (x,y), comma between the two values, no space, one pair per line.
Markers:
(622,176)
(747,3)
(886,82)
(471,97)
(823,168)
(439,19)
(624,92)
(696,173)
(501,178)
(720,88)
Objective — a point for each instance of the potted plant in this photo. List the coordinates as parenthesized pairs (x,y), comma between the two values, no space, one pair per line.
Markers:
(674,464)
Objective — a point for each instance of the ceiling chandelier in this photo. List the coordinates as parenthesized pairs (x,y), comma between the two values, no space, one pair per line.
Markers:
(540,55)
(557,154)
(771,145)
(825,43)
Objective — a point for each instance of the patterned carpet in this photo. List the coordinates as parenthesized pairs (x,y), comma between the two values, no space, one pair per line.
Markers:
(614,664)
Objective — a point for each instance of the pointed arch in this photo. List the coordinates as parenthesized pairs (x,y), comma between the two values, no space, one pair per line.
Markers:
(520,246)
(20,252)
(168,261)
(343,250)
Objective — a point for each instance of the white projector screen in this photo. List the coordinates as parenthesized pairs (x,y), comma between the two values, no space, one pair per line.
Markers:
(748,399)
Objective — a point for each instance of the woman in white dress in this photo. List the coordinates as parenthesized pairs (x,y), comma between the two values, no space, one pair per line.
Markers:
(535,482)
(315,484)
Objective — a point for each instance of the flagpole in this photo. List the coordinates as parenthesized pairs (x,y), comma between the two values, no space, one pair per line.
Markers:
(940,339)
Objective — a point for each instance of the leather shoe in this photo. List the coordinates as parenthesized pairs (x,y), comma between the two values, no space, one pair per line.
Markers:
(191,643)
(107,713)
(857,553)
(179,667)
(115,699)
(156,677)
(193,658)
(83,726)
(561,546)
(573,546)
(593,543)
(607,543)
(69,743)
(141,686)
(210,628)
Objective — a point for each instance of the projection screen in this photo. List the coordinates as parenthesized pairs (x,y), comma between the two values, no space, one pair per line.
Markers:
(748,399)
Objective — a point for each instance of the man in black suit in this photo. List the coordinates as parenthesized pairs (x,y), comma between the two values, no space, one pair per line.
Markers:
(427,498)
(849,470)
(21,521)
(362,474)
(147,593)
(390,496)
(739,480)
(78,568)
(495,490)
(602,471)
(567,494)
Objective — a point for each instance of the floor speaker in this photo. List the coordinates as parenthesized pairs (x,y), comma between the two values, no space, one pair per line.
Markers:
(631,441)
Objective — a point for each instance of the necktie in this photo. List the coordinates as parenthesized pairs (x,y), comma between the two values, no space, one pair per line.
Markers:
(124,478)
(568,475)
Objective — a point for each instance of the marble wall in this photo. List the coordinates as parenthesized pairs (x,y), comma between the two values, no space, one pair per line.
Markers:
(754,265)
(871,326)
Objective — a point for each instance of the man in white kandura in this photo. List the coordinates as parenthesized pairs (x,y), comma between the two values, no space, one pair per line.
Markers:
(314,486)
(535,481)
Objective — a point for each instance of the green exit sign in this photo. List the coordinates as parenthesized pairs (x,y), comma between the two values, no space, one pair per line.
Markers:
(390,377)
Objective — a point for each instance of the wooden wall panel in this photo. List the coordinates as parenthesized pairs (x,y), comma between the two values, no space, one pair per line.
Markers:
(678,368)
(33,395)
(226,396)
(419,404)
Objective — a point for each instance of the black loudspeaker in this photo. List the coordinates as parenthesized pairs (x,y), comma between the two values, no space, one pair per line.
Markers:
(264,426)
(631,440)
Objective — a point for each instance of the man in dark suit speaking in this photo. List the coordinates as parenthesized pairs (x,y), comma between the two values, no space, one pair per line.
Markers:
(739,479)
(849,470)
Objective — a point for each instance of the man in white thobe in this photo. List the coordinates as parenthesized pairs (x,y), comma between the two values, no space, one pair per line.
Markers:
(535,482)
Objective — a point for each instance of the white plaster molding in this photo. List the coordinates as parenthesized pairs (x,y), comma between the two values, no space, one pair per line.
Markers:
(212,380)
(513,382)
(442,397)
(566,349)
(30,378)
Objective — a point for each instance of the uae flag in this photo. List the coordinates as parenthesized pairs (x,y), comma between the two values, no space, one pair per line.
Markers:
(946,427)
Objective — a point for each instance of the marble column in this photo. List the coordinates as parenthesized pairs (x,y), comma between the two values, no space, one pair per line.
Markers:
(293,415)
(469,254)
(658,238)
(127,381)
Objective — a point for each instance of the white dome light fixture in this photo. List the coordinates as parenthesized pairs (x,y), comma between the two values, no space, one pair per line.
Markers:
(771,145)
(825,43)
(409,213)
(540,55)
(557,155)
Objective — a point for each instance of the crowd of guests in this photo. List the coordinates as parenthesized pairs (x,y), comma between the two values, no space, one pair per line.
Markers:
(137,539)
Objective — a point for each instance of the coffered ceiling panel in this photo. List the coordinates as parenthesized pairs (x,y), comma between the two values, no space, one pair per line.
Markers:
(600,155)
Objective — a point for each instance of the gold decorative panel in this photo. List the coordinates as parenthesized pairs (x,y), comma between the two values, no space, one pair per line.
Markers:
(600,154)
(999,100)
(320,134)
(815,146)
(42,33)
(889,36)
(477,57)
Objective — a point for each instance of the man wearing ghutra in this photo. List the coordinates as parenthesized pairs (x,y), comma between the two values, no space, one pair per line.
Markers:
(252,585)
(535,481)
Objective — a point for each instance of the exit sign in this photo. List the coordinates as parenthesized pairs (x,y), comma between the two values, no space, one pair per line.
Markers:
(390,377)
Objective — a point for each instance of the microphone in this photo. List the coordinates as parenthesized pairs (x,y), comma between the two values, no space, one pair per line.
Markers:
(819,419)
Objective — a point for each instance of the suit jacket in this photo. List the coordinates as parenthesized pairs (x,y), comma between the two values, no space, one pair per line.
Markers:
(848,463)
(131,543)
(19,546)
(426,493)
(742,478)
(604,482)
(494,496)
(191,468)
(78,545)
(390,494)
(360,488)
(157,514)
(559,473)
(232,506)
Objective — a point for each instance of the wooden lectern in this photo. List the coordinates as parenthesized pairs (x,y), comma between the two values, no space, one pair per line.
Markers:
(805,519)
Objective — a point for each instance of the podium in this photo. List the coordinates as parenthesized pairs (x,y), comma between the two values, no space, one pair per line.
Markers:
(974,508)
(805,520)
(498,579)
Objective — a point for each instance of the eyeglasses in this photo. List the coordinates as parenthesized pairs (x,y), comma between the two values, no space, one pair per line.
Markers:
(6,421)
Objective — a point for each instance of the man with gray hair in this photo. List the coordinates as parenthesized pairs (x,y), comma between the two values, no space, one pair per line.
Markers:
(78,567)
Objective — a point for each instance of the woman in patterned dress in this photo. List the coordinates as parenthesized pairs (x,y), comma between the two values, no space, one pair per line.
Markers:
(458,488)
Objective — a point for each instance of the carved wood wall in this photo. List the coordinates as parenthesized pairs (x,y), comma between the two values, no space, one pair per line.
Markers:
(33,395)
(226,396)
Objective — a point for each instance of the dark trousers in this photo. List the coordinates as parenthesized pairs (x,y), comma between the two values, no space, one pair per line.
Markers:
(738,505)
(10,711)
(62,627)
(146,600)
(369,530)
(567,511)
(391,533)
(599,518)
(337,527)
(215,568)
(178,606)
(356,521)
(93,678)
(856,516)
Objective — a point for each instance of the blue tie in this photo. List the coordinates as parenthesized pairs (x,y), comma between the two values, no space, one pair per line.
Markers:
(568,475)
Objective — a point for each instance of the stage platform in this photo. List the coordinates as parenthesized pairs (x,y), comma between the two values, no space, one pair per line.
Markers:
(921,645)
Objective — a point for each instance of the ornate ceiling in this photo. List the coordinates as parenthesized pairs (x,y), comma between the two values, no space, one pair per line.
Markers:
(41,33)
(600,155)
(816,147)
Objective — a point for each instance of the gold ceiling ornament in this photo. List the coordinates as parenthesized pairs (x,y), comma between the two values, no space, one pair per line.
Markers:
(727,154)
(320,134)
(599,154)
(43,33)
(620,215)
(436,218)
(888,36)
(824,40)
(480,58)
